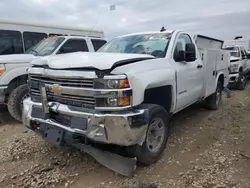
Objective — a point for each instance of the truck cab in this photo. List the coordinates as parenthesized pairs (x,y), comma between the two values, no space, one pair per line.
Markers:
(13,68)
(239,66)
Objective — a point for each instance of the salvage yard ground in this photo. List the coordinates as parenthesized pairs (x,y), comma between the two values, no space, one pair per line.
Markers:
(207,149)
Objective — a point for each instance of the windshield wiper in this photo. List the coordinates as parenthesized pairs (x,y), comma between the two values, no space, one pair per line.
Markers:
(32,50)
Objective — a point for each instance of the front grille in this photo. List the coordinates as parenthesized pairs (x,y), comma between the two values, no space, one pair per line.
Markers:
(83,83)
(36,82)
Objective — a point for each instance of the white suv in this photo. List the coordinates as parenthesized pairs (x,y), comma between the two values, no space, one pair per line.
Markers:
(13,68)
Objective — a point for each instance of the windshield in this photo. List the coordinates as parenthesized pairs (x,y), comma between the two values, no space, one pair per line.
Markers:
(46,46)
(234,51)
(153,44)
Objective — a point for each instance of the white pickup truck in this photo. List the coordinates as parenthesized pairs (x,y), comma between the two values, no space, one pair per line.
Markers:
(125,93)
(239,66)
(13,68)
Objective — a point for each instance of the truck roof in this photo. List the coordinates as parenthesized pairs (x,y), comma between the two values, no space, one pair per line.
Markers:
(171,31)
(79,37)
(17,22)
(147,32)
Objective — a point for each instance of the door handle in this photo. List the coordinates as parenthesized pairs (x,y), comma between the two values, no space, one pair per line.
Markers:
(199,66)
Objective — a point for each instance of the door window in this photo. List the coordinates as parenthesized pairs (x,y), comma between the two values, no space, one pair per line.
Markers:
(74,46)
(10,42)
(98,43)
(182,41)
(32,38)
(243,53)
(55,35)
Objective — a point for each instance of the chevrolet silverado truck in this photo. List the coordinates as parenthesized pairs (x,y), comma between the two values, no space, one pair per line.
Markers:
(13,68)
(124,94)
(239,66)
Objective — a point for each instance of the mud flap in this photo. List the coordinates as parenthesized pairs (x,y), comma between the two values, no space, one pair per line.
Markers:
(122,165)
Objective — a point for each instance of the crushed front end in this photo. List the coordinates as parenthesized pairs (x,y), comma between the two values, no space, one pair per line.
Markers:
(76,106)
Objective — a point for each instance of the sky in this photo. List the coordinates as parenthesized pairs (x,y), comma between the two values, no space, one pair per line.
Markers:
(222,19)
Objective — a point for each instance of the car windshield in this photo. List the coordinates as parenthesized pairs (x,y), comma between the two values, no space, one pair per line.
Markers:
(234,51)
(154,44)
(46,46)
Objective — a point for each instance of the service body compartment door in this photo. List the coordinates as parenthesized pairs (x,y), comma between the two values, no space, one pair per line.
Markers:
(209,58)
(216,62)
(223,64)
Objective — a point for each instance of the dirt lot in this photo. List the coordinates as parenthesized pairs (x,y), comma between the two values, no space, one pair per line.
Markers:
(207,149)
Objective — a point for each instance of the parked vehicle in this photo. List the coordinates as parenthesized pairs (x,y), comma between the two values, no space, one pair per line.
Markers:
(13,68)
(125,94)
(16,37)
(239,66)
(245,43)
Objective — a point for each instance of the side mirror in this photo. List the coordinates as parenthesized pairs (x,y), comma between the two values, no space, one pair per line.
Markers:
(65,49)
(180,56)
(248,56)
(190,54)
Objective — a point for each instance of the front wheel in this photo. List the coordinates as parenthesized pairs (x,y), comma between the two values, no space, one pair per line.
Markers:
(242,81)
(156,138)
(15,102)
(213,101)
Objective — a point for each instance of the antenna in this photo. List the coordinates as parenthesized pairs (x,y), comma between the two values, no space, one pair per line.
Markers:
(162,29)
(90,32)
(238,37)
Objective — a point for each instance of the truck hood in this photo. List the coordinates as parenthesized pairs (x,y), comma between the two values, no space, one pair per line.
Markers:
(234,59)
(17,58)
(101,61)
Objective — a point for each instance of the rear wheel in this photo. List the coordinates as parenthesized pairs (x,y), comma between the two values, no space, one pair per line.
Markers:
(157,134)
(15,102)
(213,101)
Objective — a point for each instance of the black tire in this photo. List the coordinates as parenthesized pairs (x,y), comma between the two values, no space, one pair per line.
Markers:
(242,81)
(15,101)
(213,101)
(143,153)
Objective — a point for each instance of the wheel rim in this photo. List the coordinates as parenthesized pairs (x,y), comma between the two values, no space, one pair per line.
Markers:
(243,80)
(155,134)
(23,98)
(218,96)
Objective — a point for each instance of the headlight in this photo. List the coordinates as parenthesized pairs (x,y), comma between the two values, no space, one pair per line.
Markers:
(2,69)
(116,83)
(234,67)
(112,92)
(112,102)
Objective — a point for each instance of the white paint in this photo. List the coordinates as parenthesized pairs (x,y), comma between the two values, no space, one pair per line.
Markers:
(188,83)
(17,64)
(191,83)
(16,58)
(46,28)
(239,42)
(101,61)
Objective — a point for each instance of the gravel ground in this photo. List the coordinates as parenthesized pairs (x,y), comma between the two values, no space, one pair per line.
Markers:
(207,149)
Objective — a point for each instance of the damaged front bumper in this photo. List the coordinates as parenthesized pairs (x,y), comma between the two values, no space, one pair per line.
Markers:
(233,78)
(119,128)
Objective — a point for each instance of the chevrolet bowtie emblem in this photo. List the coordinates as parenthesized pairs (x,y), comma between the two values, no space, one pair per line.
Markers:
(56,89)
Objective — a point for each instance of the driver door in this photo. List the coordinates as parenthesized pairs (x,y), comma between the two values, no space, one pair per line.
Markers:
(189,75)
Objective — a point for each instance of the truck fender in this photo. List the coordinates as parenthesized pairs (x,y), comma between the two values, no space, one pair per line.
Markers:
(149,74)
(12,74)
(140,82)
(221,77)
